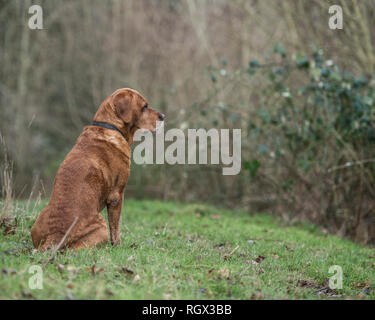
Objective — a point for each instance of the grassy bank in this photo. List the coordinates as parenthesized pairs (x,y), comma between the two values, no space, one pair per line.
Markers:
(176,251)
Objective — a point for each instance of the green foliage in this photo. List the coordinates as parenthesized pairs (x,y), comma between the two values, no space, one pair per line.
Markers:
(311,126)
(280,50)
(252,166)
(330,102)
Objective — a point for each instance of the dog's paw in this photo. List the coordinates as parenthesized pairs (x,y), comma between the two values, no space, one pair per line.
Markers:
(115,242)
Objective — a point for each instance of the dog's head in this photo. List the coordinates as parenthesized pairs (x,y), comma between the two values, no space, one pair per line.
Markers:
(128,110)
(132,108)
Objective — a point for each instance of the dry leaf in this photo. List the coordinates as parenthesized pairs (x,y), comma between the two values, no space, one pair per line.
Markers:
(60,267)
(220,245)
(360,285)
(9,229)
(257,296)
(215,217)
(27,294)
(260,259)
(72,269)
(109,292)
(10,271)
(167,296)
(127,271)
(69,296)
(94,270)
(226,257)
(224,273)
(136,278)
(69,285)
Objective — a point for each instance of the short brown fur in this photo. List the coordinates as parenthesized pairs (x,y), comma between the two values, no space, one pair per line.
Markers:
(94,175)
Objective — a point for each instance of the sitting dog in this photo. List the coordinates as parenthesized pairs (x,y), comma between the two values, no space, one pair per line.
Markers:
(93,176)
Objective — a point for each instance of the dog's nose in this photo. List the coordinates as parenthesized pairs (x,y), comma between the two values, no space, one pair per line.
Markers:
(161,116)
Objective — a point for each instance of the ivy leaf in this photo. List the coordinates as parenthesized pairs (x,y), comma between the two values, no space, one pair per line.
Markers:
(303,63)
(263,113)
(254,64)
(252,166)
(250,71)
(280,50)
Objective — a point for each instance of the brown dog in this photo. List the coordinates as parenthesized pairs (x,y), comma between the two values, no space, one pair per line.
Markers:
(94,175)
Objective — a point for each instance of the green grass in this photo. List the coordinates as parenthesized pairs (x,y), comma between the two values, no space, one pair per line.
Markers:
(176,251)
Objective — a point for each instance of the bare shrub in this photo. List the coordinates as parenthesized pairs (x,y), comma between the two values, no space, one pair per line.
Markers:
(6,182)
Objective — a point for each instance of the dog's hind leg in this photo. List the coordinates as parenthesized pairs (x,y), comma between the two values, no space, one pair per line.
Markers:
(48,243)
(91,235)
(97,236)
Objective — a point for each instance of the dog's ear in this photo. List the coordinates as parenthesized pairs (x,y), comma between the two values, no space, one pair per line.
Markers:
(122,103)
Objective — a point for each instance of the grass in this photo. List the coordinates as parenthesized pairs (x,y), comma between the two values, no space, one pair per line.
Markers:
(176,251)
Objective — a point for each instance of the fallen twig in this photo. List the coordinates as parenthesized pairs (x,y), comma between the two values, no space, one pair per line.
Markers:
(54,251)
(351,164)
(234,250)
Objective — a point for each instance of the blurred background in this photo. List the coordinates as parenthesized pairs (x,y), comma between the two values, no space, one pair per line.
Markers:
(302,94)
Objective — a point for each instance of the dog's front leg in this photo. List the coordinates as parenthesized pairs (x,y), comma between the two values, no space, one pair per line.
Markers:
(114,205)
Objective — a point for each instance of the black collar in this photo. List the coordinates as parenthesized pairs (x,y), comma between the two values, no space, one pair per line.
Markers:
(108,126)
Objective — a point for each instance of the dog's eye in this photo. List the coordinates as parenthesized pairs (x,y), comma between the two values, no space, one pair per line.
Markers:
(144,107)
